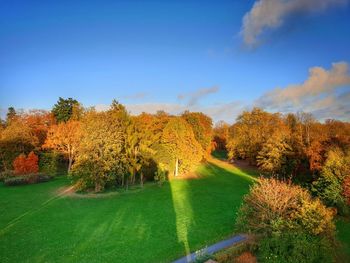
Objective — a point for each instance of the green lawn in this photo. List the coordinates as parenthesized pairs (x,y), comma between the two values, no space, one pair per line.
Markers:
(156,224)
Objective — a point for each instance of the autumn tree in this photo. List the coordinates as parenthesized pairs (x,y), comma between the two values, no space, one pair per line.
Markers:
(63,109)
(273,157)
(179,150)
(26,164)
(202,126)
(329,185)
(250,132)
(65,138)
(140,137)
(288,221)
(39,121)
(101,156)
(15,139)
(220,135)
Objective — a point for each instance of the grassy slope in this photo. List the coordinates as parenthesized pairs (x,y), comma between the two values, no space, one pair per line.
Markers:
(152,225)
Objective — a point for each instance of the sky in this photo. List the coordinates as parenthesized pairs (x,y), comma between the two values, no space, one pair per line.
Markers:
(218,57)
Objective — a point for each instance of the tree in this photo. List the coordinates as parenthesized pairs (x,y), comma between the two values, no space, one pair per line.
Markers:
(138,145)
(39,121)
(329,185)
(11,115)
(307,119)
(179,150)
(250,132)
(63,109)
(101,156)
(65,137)
(286,218)
(221,134)
(15,139)
(273,157)
(202,127)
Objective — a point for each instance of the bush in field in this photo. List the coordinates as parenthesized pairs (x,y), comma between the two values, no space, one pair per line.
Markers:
(26,165)
(27,179)
(275,210)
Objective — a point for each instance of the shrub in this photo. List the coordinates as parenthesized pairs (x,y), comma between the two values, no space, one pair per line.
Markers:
(276,210)
(26,165)
(295,247)
(27,179)
(5,174)
(16,180)
(273,206)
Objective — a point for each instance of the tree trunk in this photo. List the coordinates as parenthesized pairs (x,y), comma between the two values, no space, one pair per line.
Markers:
(177,166)
(70,161)
(141,179)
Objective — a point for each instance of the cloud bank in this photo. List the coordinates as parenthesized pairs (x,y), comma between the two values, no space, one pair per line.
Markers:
(272,14)
(325,93)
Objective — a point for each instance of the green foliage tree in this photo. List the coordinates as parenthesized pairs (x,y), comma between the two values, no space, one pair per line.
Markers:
(63,109)
(101,157)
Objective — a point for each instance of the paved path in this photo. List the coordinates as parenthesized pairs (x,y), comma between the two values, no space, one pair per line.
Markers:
(212,249)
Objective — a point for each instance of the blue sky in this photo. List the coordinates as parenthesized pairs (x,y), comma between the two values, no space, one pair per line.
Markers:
(154,55)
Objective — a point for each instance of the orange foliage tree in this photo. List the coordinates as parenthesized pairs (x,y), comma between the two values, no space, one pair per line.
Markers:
(65,137)
(26,165)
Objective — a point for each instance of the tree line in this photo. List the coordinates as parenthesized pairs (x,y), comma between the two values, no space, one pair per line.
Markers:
(293,147)
(108,148)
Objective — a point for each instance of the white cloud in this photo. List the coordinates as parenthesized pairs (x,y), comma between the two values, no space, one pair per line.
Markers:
(272,14)
(325,93)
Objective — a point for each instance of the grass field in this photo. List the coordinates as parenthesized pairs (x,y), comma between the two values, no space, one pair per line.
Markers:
(155,224)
